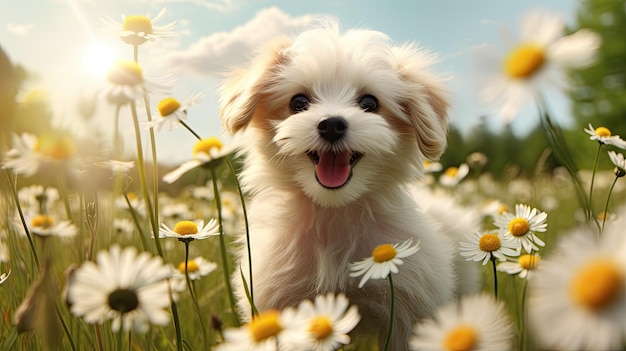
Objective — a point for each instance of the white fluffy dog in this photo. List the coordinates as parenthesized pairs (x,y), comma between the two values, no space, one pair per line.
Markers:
(338,126)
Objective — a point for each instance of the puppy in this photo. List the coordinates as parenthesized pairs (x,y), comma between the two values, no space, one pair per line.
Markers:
(338,125)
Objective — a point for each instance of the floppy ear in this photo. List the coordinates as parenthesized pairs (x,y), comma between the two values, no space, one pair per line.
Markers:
(426,100)
(240,92)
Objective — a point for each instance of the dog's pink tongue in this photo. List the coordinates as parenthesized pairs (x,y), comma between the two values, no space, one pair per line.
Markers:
(333,170)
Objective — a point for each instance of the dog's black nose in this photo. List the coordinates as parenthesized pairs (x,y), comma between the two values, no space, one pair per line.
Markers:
(332,128)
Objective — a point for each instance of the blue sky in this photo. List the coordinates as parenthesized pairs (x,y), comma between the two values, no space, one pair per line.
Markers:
(52,38)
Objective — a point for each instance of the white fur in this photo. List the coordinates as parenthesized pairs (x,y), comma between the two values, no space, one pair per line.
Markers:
(303,236)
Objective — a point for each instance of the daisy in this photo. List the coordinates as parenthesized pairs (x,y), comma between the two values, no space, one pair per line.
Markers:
(122,285)
(524,264)
(487,246)
(117,166)
(385,260)
(537,60)
(619,162)
(133,202)
(493,208)
(197,268)
(170,112)
(603,136)
(175,210)
(44,225)
(453,175)
(263,333)
(30,153)
(477,160)
(136,30)
(522,226)
(474,323)
(431,166)
(4,277)
(126,82)
(190,230)
(577,301)
(123,226)
(323,324)
(205,152)
(37,198)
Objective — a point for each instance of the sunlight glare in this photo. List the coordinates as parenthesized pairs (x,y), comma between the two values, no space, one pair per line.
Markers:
(98,58)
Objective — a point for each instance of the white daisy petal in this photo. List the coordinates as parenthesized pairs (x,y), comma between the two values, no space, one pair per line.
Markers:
(123,286)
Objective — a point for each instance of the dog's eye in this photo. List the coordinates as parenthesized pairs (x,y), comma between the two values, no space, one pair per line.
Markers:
(369,103)
(299,103)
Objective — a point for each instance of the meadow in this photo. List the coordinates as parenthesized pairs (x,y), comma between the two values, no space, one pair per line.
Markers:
(101,250)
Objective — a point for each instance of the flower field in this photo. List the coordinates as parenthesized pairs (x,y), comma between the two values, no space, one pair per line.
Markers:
(102,250)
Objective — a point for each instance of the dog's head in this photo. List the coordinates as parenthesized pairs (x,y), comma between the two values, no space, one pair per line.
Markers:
(337,115)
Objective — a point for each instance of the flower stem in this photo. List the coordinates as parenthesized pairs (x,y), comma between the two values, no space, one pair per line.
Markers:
(11,182)
(193,296)
(495,276)
(142,179)
(229,289)
(189,129)
(120,335)
(391,312)
(606,206)
(593,174)
(155,166)
(245,218)
(179,338)
(96,328)
(563,155)
(65,328)
(523,317)
(133,214)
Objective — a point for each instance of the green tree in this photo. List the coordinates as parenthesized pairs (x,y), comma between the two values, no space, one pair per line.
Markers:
(599,92)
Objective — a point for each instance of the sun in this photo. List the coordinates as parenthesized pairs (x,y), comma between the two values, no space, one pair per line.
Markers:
(98,58)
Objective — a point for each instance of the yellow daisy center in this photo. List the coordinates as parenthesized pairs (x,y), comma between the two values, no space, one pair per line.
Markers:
(604,215)
(603,132)
(265,325)
(137,24)
(452,171)
(321,327)
(524,61)
(384,253)
(489,242)
(132,196)
(192,266)
(502,209)
(42,221)
(597,284)
(205,145)
(125,73)
(461,338)
(36,96)
(56,148)
(529,262)
(519,226)
(186,228)
(168,106)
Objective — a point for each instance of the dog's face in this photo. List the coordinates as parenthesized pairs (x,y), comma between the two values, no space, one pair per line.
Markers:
(338,116)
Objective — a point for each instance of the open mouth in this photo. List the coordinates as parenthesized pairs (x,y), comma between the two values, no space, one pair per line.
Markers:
(334,169)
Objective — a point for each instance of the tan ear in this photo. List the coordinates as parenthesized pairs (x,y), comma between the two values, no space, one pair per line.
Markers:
(240,92)
(426,102)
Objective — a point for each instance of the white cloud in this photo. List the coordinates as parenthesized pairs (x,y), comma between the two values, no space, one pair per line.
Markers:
(20,29)
(212,54)
(213,5)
